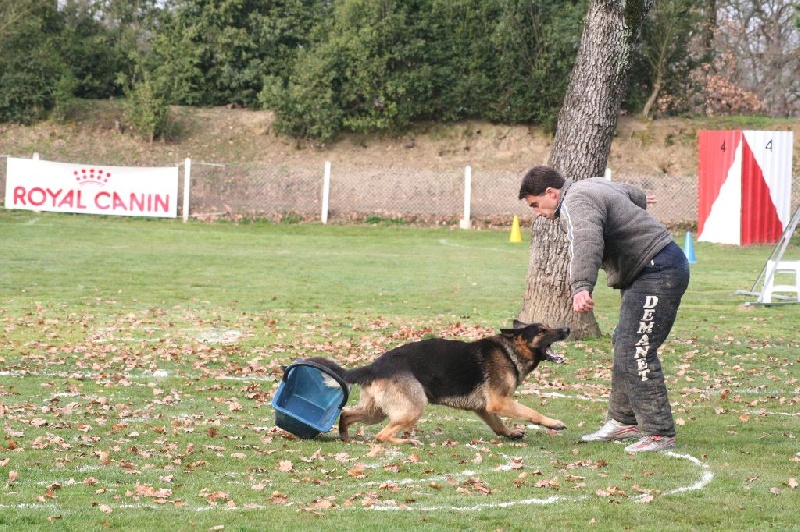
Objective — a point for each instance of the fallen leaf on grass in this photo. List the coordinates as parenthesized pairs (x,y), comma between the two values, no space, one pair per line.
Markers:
(550,484)
(611,491)
(375,449)
(146,490)
(215,496)
(389,486)
(342,457)
(321,504)
(478,485)
(357,471)
(278,498)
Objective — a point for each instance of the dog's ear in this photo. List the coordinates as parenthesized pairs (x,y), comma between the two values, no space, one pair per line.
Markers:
(510,333)
(520,324)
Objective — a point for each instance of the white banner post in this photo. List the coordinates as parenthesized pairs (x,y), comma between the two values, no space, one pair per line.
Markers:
(465,222)
(326,190)
(187,180)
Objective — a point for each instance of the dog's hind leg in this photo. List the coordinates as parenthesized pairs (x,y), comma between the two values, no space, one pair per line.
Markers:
(357,415)
(403,401)
(496,424)
(389,432)
(366,412)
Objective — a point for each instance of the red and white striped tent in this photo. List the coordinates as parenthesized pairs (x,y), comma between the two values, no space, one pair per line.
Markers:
(745,186)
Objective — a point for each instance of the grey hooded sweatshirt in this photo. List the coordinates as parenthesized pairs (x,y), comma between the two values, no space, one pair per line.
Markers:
(608,227)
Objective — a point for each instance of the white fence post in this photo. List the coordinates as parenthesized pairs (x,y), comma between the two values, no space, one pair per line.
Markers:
(326,190)
(465,221)
(187,183)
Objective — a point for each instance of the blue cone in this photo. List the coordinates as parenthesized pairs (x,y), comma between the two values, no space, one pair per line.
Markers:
(688,248)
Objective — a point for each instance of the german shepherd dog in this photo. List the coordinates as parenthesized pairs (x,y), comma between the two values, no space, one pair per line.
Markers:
(480,376)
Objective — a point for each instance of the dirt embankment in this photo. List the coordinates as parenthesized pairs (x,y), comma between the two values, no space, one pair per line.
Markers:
(93,134)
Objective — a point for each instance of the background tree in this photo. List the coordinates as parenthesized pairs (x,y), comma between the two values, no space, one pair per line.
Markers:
(92,50)
(30,63)
(378,66)
(533,49)
(586,124)
(12,15)
(219,52)
(709,25)
(666,39)
(763,46)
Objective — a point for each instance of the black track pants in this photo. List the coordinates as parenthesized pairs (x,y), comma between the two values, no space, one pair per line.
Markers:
(649,307)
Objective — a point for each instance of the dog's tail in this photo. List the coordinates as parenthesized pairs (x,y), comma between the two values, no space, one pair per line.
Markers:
(359,375)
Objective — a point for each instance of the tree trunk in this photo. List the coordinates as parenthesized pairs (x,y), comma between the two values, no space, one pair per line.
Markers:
(582,142)
(548,298)
(651,101)
(709,28)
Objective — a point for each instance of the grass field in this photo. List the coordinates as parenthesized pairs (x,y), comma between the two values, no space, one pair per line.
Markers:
(138,359)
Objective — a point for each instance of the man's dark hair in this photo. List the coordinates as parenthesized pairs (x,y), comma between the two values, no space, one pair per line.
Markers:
(538,179)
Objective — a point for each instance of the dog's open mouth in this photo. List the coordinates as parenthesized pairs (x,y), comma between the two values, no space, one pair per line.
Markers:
(552,356)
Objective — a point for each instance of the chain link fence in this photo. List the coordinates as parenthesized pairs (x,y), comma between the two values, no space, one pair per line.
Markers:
(398,194)
(403,194)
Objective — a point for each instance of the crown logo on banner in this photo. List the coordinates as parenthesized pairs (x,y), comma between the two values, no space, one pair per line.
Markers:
(91,175)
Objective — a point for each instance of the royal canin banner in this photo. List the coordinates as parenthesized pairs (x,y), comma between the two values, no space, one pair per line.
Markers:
(32,184)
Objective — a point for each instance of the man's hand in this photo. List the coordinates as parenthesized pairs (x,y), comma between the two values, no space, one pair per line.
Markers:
(582,301)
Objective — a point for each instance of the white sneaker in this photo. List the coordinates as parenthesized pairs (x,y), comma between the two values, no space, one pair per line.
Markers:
(613,430)
(652,443)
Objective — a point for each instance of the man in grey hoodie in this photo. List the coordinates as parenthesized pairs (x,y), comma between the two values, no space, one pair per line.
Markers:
(608,227)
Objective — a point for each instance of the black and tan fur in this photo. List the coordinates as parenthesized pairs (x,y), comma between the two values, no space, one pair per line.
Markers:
(480,376)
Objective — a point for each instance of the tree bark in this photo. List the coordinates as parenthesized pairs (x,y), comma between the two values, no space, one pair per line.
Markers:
(651,101)
(709,28)
(586,125)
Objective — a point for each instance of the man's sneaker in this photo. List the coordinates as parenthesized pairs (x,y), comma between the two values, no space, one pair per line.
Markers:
(613,430)
(652,443)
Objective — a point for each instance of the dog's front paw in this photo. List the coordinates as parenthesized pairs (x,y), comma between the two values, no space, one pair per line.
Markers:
(556,425)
